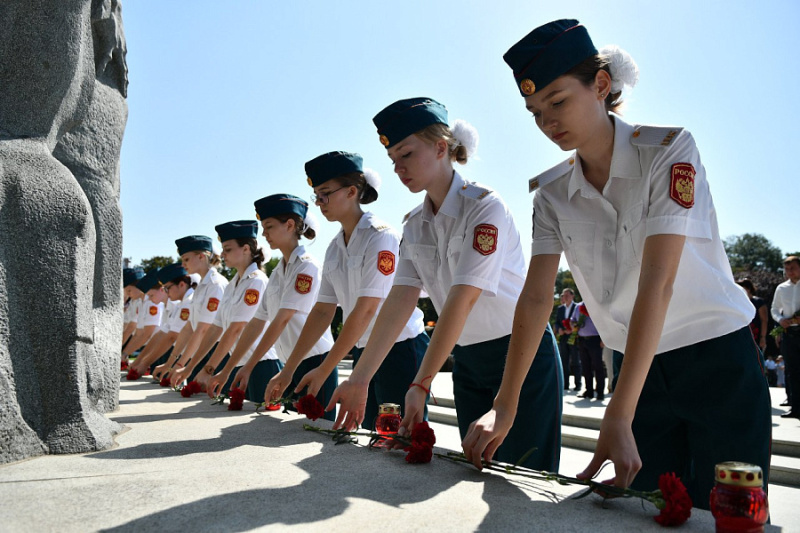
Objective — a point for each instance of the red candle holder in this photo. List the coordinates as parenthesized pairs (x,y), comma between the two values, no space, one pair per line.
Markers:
(738,501)
(388,419)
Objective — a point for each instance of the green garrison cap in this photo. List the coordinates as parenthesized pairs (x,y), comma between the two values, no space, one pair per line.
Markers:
(548,52)
(238,229)
(194,243)
(280,204)
(332,165)
(405,117)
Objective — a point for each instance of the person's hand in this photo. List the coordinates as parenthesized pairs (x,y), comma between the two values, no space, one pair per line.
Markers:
(178,376)
(486,434)
(785,323)
(763,343)
(138,366)
(314,380)
(277,385)
(352,399)
(615,443)
(414,410)
(241,379)
(202,378)
(159,370)
(216,383)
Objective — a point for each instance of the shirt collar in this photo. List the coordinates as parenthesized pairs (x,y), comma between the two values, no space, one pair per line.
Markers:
(624,161)
(297,252)
(249,270)
(450,207)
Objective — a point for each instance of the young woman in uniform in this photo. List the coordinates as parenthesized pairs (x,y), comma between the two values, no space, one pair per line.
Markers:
(198,258)
(150,313)
(631,209)
(290,295)
(357,275)
(462,246)
(238,305)
(179,288)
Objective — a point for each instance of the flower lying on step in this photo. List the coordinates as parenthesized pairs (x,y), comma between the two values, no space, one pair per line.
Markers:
(671,498)
(237,399)
(133,374)
(164,382)
(123,365)
(419,446)
(190,388)
(309,405)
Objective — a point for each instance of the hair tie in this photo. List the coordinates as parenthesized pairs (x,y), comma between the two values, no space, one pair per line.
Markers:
(310,221)
(373,178)
(622,66)
(466,135)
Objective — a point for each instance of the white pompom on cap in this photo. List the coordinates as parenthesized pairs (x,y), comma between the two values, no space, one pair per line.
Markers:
(373,178)
(624,70)
(466,135)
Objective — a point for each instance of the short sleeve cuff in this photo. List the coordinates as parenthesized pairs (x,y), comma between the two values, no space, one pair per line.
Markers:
(327,299)
(488,287)
(676,225)
(408,282)
(372,293)
(546,247)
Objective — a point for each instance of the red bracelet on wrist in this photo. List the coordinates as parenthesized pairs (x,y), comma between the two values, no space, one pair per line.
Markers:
(427,391)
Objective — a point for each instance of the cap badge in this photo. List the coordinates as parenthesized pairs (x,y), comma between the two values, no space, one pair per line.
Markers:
(527,87)
(384,140)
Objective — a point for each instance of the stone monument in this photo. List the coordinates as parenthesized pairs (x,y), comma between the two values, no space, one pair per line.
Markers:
(63,82)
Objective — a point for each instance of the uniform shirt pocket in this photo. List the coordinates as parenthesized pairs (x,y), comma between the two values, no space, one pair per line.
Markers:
(632,230)
(577,238)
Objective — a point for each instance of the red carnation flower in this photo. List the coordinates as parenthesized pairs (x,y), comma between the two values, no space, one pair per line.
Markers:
(123,365)
(133,375)
(419,453)
(164,382)
(423,434)
(582,309)
(422,441)
(190,388)
(237,399)
(678,504)
(308,405)
(566,324)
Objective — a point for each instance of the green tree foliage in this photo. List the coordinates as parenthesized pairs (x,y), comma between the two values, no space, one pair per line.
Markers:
(157,261)
(429,314)
(753,252)
(270,265)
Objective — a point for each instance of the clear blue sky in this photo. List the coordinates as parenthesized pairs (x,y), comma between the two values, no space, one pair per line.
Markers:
(228,100)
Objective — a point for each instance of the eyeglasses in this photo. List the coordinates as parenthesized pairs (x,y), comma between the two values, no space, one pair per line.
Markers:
(168,287)
(324,198)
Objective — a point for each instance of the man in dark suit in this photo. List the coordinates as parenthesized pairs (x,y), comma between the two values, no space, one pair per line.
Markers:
(570,361)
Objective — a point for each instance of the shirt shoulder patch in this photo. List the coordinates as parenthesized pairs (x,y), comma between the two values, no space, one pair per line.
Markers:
(552,174)
(412,213)
(654,135)
(474,191)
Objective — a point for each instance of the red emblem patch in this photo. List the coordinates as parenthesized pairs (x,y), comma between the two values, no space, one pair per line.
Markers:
(681,187)
(303,283)
(385,262)
(153,310)
(251,296)
(184,314)
(213,304)
(485,241)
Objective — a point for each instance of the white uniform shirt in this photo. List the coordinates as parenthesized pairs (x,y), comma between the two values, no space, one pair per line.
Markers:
(240,303)
(178,314)
(472,240)
(294,286)
(150,314)
(649,192)
(786,301)
(207,297)
(365,266)
(132,312)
